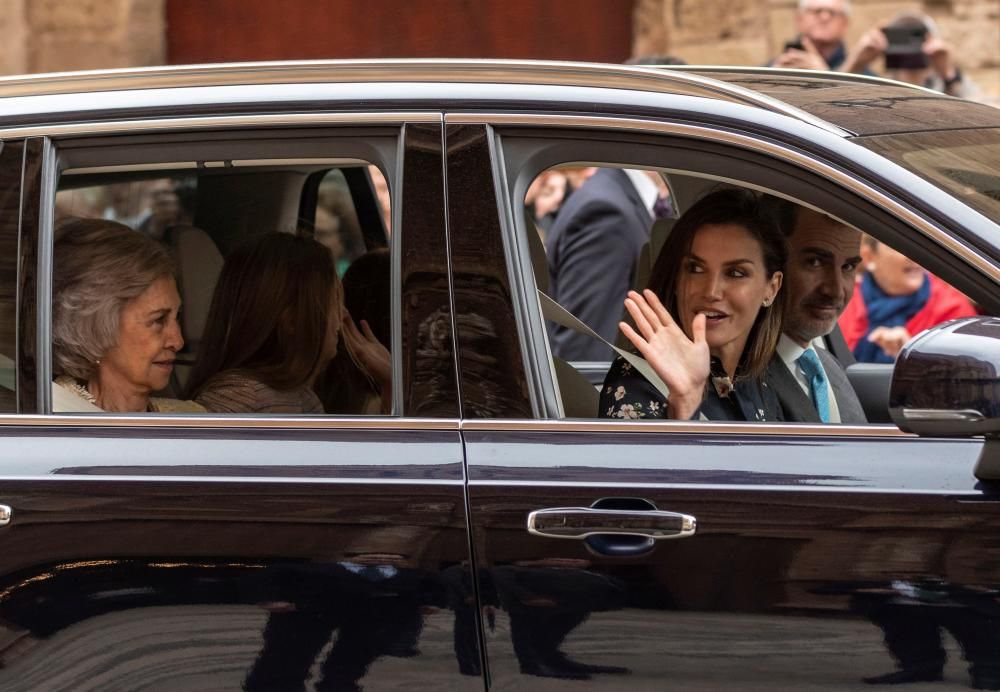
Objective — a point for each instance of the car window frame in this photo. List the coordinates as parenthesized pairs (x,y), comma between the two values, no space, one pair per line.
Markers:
(52,136)
(897,216)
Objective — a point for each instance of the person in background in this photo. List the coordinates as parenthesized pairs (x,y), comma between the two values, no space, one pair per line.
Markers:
(895,299)
(593,249)
(822,26)
(545,196)
(930,63)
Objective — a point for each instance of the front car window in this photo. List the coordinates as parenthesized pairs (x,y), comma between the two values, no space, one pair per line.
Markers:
(846,296)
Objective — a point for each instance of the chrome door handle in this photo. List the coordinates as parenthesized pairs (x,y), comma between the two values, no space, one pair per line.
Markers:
(581,522)
(5,514)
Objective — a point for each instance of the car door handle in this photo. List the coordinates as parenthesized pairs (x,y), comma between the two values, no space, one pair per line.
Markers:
(5,514)
(583,522)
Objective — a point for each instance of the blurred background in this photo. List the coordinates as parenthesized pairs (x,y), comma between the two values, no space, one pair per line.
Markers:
(56,35)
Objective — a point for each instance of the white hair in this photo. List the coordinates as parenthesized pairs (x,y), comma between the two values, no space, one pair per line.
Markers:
(845,4)
(99,267)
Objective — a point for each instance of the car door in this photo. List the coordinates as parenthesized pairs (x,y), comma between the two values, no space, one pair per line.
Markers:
(792,555)
(213,551)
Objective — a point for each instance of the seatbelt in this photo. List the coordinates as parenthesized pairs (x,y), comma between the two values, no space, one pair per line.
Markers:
(554,312)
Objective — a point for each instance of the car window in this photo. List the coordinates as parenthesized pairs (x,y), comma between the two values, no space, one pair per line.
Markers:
(257,319)
(845,296)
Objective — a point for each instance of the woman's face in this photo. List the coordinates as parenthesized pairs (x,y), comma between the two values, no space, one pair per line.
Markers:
(149,337)
(724,277)
(895,273)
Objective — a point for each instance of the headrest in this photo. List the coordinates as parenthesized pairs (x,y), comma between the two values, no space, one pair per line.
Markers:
(199,264)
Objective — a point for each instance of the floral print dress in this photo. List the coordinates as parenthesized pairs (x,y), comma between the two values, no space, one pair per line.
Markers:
(626,394)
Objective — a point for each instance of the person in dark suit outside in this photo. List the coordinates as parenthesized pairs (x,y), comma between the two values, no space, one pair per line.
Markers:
(823,258)
(592,249)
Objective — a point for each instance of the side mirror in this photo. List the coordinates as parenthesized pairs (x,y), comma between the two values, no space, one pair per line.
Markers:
(946,382)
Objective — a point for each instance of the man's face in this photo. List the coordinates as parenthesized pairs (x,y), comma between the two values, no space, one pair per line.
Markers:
(824,22)
(823,259)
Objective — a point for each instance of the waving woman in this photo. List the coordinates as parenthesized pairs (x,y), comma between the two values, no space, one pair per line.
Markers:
(710,318)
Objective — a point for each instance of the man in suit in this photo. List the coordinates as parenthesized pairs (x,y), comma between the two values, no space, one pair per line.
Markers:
(593,248)
(823,258)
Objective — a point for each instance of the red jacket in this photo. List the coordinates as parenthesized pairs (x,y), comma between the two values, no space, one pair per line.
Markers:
(945,303)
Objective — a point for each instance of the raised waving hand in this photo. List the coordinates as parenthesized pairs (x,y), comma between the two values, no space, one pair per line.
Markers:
(682,363)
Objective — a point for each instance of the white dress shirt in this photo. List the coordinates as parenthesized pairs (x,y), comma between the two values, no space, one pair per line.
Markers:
(789,352)
(648,192)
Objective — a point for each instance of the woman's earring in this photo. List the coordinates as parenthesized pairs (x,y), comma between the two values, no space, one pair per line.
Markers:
(767,303)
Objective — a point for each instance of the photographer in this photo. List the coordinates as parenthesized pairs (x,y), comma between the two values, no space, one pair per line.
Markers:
(822,25)
(914,53)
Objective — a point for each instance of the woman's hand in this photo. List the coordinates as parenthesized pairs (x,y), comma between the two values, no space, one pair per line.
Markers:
(373,356)
(682,363)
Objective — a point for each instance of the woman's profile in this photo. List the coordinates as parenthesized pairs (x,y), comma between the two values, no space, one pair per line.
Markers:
(115,334)
(710,318)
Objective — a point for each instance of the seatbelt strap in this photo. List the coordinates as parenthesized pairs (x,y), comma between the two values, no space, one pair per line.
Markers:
(554,312)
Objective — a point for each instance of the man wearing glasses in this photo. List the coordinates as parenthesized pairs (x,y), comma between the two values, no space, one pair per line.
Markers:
(822,25)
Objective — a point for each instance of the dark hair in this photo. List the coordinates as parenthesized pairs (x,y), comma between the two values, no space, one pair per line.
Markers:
(345,386)
(270,312)
(749,210)
(786,213)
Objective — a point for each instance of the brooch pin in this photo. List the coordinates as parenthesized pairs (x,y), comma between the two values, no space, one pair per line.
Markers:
(723,385)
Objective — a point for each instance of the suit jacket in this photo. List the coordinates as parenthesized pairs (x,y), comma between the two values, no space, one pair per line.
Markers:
(798,406)
(592,250)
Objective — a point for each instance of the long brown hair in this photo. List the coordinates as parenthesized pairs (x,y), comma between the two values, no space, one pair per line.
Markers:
(270,312)
(757,215)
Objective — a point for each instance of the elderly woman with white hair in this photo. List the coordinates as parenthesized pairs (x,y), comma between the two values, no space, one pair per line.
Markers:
(115,333)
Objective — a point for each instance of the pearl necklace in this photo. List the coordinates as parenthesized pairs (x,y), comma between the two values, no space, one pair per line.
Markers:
(82,392)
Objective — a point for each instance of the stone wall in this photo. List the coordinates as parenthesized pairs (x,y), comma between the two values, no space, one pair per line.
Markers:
(751,32)
(56,35)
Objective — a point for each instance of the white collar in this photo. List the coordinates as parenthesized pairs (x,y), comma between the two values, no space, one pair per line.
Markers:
(648,192)
(789,350)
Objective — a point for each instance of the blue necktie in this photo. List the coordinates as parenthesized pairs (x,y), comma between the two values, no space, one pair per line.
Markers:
(809,362)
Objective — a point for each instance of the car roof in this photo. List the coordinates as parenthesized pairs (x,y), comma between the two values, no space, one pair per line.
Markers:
(840,103)
(864,105)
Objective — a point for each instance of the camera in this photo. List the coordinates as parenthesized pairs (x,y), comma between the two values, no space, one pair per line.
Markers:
(906,47)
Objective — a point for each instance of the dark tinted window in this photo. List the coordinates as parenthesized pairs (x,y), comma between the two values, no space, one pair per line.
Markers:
(11,160)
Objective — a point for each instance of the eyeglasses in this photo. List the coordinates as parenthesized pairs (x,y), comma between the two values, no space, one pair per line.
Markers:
(818,11)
